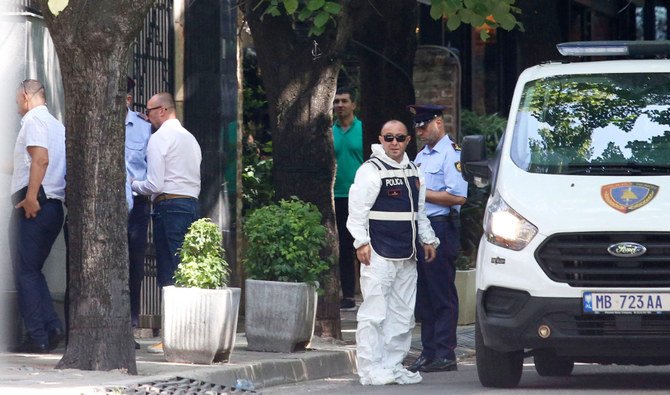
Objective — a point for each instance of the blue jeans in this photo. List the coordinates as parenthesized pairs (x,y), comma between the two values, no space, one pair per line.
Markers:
(30,244)
(171,219)
(138,223)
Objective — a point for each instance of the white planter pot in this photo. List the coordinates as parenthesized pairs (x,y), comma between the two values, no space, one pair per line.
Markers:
(279,316)
(199,325)
(467,295)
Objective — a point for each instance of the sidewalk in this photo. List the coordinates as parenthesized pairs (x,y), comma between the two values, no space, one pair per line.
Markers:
(30,374)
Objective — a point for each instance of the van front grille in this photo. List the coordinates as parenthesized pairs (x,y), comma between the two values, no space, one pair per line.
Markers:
(582,260)
(639,325)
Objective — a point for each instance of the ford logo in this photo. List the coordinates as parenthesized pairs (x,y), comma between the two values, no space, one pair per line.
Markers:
(626,249)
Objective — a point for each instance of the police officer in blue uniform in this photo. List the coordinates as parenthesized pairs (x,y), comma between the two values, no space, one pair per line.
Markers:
(446,191)
(138,132)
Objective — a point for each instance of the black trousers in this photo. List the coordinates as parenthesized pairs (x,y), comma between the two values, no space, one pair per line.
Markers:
(138,225)
(346,245)
(436,296)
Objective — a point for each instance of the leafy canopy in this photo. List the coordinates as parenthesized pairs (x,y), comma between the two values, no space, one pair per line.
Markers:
(478,13)
(202,264)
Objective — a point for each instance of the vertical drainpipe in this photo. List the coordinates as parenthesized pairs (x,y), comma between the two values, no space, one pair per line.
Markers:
(178,20)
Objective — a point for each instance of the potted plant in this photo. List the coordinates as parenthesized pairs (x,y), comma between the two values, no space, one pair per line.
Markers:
(200,311)
(283,266)
(466,288)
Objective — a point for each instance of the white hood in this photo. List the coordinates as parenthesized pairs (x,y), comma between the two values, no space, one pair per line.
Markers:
(569,203)
(378,152)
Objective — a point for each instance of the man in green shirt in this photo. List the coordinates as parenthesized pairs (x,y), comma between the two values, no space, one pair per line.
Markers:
(348,141)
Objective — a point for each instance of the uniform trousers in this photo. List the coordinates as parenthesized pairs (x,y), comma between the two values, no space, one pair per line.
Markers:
(138,224)
(437,299)
(31,240)
(171,219)
(386,316)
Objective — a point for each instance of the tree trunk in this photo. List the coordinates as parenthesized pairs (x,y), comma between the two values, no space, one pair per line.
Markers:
(92,40)
(384,34)
(300,87)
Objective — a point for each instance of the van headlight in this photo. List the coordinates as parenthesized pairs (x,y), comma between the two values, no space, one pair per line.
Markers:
(504,227)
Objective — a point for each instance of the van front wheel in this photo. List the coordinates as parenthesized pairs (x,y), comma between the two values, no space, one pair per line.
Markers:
(494,368)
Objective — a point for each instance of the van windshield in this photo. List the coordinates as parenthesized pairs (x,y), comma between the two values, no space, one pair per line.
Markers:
(595,124)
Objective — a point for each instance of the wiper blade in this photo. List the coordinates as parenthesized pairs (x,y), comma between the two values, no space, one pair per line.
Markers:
(630,168)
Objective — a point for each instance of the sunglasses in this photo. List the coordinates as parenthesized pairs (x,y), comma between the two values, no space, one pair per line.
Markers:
(148,110)
(401,138)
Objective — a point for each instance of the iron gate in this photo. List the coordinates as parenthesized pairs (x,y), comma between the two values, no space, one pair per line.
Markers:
(152,68)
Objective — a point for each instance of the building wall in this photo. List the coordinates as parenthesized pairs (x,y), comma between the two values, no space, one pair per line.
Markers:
(437,79)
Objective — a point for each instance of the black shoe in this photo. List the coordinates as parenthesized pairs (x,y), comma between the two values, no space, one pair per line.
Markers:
(419,363)
(348,304)
(55,337)
(137,345)
(30,347)
(440,365)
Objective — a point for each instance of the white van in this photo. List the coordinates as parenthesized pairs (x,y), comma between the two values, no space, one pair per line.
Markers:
(574,264)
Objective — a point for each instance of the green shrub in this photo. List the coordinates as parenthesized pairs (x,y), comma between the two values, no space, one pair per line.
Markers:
(284,241)
(202,263)
(491,126)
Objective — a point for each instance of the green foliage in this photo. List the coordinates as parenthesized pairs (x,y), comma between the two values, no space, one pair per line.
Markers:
(492,13)
(316,12)
(202,264)
(284,241)
(492,128)
(257,185)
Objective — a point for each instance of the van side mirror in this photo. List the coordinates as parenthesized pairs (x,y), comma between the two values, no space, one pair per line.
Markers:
(473,160)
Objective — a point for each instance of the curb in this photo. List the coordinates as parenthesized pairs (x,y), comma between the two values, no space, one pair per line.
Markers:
(323,359)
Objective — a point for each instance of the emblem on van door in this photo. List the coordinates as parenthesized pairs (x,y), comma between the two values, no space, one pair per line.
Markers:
(626,249)
(628,196)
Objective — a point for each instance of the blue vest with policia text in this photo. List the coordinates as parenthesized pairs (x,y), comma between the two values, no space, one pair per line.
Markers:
(393,216)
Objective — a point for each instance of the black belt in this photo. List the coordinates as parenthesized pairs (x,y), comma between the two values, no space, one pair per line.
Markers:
(453,215)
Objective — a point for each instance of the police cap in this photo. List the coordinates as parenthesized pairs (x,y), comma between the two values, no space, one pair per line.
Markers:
(424,113)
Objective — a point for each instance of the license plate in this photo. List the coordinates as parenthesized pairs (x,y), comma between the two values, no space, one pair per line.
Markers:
(625,302)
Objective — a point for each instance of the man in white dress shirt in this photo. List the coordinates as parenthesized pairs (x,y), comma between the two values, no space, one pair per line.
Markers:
(38,192)
(173,181)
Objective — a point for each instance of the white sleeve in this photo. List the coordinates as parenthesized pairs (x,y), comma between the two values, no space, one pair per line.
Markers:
(426,232)
(362,196)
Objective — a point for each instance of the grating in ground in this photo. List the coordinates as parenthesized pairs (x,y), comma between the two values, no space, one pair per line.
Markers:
(177,386)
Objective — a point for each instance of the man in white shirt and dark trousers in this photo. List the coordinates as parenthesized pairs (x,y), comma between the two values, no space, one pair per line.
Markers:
(38,192)
(173,181)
